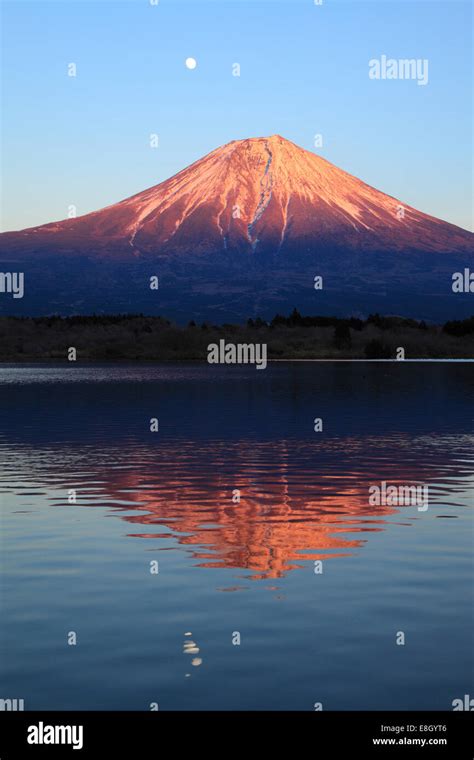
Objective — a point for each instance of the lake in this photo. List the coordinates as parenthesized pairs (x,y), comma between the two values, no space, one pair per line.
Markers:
(181,535)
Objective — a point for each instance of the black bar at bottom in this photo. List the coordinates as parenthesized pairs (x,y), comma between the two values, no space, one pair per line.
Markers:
(146,734)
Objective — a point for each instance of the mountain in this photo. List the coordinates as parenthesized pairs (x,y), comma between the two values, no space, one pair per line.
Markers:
(241,232)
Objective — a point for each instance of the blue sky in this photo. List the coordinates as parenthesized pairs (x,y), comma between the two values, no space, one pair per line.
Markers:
(304,71)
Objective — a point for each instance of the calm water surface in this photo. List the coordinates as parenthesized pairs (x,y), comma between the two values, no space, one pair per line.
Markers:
(226,567)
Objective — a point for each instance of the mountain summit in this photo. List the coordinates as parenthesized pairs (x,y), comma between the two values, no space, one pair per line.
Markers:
(256,219)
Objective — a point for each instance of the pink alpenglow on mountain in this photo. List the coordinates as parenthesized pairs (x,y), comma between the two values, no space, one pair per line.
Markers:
(257,219)
(260,191)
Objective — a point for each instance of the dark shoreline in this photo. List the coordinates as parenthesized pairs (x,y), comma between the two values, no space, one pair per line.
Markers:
(138,338)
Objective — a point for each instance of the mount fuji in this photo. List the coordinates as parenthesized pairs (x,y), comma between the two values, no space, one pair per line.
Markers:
(244,231)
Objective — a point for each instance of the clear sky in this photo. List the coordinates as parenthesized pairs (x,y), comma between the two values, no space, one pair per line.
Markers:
(84,140)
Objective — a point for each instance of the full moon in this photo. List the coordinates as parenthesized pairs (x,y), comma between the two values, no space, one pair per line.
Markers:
(191,63)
